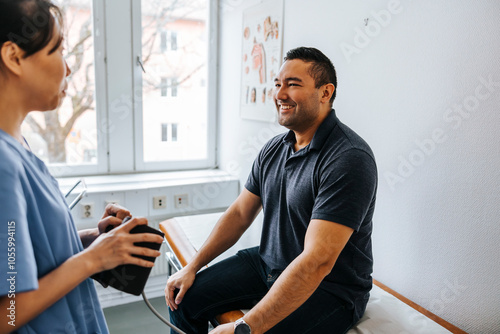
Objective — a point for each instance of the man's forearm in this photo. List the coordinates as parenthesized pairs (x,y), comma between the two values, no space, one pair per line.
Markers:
(230,227)
(294,286)
(224,235)
(323,243)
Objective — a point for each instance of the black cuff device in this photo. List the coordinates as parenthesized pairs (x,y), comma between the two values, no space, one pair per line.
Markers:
(130,278)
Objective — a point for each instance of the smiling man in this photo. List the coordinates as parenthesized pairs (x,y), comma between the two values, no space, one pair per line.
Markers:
(316,185)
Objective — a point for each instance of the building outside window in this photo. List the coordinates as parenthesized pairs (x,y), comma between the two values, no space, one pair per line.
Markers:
(182,25)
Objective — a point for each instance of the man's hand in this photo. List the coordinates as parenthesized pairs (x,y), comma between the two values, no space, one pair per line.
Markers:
(181,280)
(224,329)
(323,243)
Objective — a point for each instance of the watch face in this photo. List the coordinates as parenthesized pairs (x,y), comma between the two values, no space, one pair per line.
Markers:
(242,328)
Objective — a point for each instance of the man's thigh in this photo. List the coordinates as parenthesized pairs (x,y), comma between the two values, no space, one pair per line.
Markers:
(322,313)
(234,283)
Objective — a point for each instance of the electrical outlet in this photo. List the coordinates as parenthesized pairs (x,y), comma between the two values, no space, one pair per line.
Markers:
(112,202)
(181,201)
(87,210)
(159,202)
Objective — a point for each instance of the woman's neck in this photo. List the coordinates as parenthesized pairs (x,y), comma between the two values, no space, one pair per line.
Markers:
(12,113)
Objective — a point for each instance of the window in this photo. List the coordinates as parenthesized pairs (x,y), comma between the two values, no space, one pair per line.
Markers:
(172,85)
(173,40)
(67,138)
(163,41)
(164,132)
(174,132)
(164,87)
(168,38)
(167,83)
(116,103)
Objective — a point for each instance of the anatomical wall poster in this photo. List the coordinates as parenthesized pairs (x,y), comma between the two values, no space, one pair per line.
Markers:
(262,36)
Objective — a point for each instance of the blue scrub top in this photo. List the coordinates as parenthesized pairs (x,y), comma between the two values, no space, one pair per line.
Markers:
(37,234)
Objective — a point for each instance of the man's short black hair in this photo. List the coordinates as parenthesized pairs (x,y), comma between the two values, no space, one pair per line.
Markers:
(322,69)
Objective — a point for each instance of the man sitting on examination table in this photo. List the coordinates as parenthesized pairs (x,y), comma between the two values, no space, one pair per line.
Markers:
(317,186)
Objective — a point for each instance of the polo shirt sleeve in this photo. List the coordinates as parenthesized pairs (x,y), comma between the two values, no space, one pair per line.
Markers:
(253,181)
(346,189)
(17,260)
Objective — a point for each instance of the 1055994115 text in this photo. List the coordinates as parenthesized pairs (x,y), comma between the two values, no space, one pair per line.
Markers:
(11,272)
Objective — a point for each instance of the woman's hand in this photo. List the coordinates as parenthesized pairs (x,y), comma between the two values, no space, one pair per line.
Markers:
(181,280)
(113,216)
(117,247)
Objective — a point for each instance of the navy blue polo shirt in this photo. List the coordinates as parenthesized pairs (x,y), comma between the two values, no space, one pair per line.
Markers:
(334,178)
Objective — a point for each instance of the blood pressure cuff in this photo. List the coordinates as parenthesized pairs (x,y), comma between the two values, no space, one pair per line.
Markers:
(130,278)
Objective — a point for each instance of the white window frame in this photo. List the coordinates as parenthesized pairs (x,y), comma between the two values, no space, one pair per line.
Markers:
(118,85)
(62,170)
(210,161)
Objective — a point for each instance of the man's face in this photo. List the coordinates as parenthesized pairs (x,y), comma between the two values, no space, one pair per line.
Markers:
(296,97)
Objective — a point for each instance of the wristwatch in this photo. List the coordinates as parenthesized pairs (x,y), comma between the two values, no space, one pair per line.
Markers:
(241,327)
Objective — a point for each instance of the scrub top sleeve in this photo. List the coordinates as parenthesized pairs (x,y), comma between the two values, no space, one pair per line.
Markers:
(18,270)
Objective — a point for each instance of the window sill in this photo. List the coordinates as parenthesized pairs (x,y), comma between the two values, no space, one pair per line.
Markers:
(202,191)
(138,181)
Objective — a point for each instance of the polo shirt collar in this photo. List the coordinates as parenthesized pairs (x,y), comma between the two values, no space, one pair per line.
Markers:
(324,131)
(289,139)
(319,138)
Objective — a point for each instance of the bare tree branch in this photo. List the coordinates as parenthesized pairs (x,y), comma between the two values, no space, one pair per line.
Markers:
(33,124)
(81,102)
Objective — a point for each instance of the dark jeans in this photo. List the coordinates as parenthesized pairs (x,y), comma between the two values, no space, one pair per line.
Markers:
(239,282)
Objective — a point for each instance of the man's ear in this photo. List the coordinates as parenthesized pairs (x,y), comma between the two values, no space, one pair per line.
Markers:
(11,55)
(327,92)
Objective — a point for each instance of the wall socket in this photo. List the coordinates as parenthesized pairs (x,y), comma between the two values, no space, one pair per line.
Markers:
(87,210)
(159,202)
(181,201)
(111,202)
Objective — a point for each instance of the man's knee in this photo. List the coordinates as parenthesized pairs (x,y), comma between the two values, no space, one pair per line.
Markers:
(183,319)
(189,307)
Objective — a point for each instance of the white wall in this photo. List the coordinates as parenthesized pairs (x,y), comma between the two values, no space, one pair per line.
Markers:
(436,235)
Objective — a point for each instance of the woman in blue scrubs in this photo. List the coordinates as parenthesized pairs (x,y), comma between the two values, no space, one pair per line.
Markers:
(45,263)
